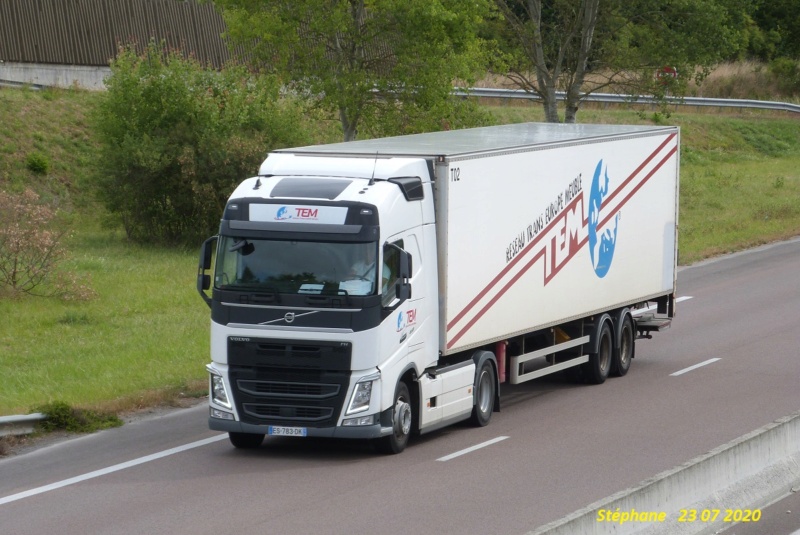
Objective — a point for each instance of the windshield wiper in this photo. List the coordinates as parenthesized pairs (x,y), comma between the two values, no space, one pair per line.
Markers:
(272,297)
(328,296)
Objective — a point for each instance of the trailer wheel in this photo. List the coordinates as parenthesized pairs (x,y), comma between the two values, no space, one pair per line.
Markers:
(484,396)
(401,423)
(245,441)
(599,364)
(623,353)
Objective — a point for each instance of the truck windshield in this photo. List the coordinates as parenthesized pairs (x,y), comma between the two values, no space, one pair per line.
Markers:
(296,267)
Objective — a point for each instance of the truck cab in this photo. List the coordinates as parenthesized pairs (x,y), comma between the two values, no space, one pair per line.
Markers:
(324,308)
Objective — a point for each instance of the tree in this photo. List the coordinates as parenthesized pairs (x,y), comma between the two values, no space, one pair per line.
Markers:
(176,138)
(585,46)
(372,62)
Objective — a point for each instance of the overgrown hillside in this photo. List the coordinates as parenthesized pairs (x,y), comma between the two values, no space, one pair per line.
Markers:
(47,128)
(143,337)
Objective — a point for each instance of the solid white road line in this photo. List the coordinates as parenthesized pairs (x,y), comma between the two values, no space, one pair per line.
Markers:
(473,448)
(111,469)
(690,368)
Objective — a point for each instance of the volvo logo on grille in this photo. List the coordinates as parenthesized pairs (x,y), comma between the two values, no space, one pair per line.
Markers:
(239,339)
(289,317)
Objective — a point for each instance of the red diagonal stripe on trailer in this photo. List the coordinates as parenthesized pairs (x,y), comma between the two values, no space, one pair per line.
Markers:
(500,275)
(639,169)
(636,188)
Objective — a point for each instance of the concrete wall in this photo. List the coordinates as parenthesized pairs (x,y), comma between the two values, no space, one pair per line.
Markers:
(43,75)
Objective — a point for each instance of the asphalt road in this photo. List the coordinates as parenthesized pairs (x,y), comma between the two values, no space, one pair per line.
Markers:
(554,448)
(779,518)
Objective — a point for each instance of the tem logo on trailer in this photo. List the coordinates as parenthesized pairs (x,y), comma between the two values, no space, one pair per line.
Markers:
(601,245)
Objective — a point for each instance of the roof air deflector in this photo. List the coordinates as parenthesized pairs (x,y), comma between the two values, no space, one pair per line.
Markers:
(411,186)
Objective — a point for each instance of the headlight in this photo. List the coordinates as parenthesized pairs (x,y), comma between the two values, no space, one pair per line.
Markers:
(361,397)
(362,394)
(218,393)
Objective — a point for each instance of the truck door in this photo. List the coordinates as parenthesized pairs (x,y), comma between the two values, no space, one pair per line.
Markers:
(401,325)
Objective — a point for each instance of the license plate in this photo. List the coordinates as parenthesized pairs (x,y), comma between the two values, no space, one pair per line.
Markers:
(278,431)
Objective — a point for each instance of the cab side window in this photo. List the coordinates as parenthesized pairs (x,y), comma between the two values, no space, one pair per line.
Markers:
(390,271)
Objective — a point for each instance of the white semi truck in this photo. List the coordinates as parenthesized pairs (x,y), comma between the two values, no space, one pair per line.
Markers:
(381,288)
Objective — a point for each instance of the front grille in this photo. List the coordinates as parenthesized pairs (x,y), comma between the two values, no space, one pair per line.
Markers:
(290,383)
(288,390)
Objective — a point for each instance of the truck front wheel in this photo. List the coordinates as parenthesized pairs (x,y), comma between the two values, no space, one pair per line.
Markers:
(484,396)
(245,440)
(401,423)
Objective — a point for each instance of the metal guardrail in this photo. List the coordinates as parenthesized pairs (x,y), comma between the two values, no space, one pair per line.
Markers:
(12,83)
(20,424)
(594,97)
(628,99)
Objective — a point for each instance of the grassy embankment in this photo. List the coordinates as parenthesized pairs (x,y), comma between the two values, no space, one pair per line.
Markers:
(144,338)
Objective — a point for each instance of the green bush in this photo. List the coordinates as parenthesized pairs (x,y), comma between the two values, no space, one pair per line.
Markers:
(787,74)
(37,163)
(60,416)
(176,138)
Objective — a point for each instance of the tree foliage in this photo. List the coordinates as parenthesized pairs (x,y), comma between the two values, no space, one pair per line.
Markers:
(776,32)
(585,46)
(176,138)
(383,66)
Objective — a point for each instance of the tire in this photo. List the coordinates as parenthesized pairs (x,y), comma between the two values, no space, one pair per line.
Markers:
(246,441)
(485,385)
(625,348)
(402,420)
(599,365)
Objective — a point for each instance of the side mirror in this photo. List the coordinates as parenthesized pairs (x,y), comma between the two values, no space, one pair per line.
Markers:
(203,279)
(205,253)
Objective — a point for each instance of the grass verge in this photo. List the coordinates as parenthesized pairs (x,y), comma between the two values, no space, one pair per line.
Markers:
(141,341)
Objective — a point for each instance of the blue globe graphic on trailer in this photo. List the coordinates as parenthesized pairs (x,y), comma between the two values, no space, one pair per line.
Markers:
(601,246)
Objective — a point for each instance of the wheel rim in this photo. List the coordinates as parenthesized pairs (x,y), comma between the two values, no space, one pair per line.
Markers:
(484,392)
(625,345)
(605,352)
(402,418)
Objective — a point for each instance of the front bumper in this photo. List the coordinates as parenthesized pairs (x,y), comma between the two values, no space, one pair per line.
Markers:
(360,432)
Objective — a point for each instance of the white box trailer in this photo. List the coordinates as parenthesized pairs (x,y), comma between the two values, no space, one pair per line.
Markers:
(500,254)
